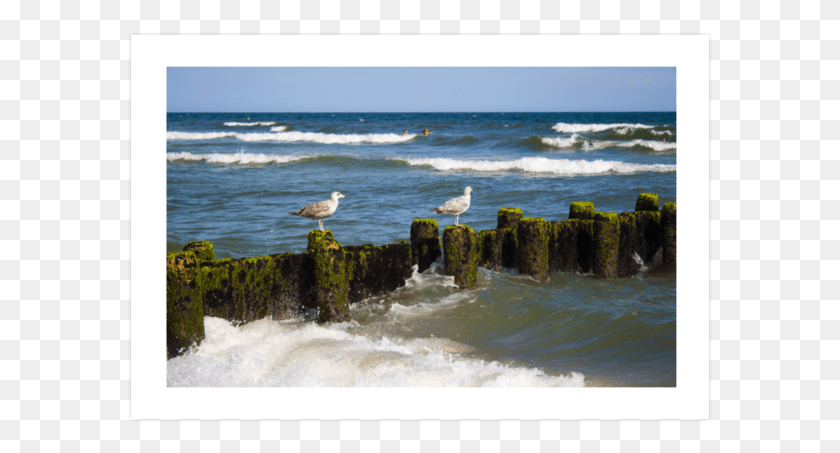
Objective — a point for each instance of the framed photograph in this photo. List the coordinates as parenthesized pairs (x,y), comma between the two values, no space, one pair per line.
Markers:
(407,227)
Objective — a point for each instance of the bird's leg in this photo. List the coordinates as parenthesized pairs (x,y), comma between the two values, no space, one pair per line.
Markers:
(456,219)
(321,225)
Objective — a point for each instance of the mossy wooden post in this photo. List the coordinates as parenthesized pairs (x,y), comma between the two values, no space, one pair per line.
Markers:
(647,202)
(533,235)
(425,243)
(331,282)
(507,221)
(669,233)
(460,255)
(184,303)
(376,270)
(203,250)
(583,210)
(605,235)
(508,218)
(490,248)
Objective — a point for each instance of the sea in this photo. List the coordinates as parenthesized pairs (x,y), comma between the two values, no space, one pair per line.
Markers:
(233,179)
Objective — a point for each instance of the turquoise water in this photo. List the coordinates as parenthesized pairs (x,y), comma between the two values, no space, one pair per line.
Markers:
(233,178)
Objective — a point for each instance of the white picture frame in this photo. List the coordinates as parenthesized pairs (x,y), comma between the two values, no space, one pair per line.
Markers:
(152,399)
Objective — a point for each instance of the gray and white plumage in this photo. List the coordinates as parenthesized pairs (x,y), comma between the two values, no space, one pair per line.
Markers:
(320,210)
(455,206)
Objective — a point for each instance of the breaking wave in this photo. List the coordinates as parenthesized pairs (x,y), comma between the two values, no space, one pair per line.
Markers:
(296,354)
(561,142)
(540,165)
(591,145)
(236,158)
(649,144)
(575,127)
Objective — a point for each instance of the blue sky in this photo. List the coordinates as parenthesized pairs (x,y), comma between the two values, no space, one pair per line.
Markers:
(421,89)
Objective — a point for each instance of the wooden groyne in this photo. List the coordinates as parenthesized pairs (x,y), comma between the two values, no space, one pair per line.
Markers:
(330,276)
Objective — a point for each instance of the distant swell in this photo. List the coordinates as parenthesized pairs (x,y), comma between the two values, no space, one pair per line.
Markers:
(315,137)
(237,158)
(198,135)
(541,165)
(261,123)
(566,128)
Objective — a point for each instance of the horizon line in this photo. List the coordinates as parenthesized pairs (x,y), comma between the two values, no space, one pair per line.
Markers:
(459,111)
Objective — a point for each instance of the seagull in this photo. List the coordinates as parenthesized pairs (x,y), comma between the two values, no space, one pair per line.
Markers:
(320,210)
(456,206)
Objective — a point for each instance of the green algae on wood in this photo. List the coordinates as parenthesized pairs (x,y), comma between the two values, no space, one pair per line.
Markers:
(490,249)
(460,247)
(203,250)
(184,303)
(425,243)
(248,289)
(533,234)
(562,246)
(583,210)
(331,282)
(669,233)
(605,237)
(508,218)
(376,270)
(647,202)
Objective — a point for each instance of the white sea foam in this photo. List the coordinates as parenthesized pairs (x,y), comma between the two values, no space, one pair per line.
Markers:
(294,136)
(174,135)
(541,165)
(236,158)
(273,354)
(574,127)
(279,128)
(662,132)
(260,123)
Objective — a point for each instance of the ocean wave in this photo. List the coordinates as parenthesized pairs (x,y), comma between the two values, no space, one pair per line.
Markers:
(540,165)
(661,132)
(591,145)
(639,143)
(279,128)
(295,354)
(260,123)
(575,127)
(236,158)
(315,137)
(561,142)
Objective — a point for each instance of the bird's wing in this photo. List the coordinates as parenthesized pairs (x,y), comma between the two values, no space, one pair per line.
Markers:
(454,205)
(319,209)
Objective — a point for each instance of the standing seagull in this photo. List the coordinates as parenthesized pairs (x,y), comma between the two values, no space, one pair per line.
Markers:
(456,206)
(320,210)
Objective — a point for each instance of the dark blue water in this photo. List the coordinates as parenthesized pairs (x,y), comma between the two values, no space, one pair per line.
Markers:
(234,185)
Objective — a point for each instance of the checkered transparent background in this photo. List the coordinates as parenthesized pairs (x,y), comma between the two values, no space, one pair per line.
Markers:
(65,223)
